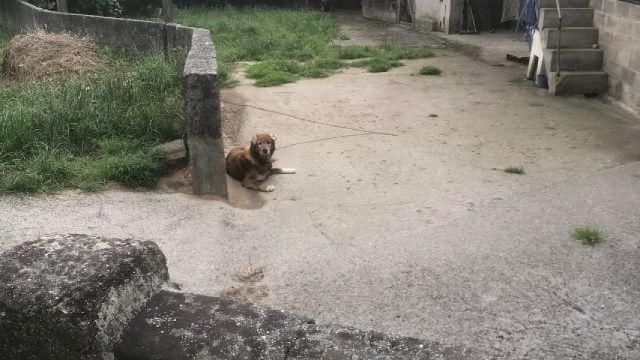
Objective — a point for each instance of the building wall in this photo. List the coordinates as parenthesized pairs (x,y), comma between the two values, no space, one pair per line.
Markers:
(384,10)
(619,24)
(427,13)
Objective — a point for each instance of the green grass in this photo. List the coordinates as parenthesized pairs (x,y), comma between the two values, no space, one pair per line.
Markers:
(295,42)
(5,36)
(379,64)
(82,131)
(429,70)
(514,170)
(589,235)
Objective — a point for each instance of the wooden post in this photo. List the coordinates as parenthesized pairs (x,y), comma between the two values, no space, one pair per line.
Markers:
(61,5)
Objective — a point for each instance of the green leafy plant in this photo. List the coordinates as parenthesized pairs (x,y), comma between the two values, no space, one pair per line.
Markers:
(514,170)
(429,70)
(589,235)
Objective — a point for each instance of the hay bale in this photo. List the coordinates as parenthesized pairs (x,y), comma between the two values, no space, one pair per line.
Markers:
(41,54)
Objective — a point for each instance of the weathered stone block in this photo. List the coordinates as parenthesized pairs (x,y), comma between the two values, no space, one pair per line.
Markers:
(177,326)
(625,26)
(612,22)
(338,343)
(175,153)
(634,62)
(596,4)
(610,6)
(623,9)
(72,296)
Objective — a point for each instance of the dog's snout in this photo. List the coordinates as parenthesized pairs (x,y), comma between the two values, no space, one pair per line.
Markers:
(265,151)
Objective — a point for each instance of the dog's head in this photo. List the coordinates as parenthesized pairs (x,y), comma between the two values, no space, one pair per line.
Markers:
(263,145)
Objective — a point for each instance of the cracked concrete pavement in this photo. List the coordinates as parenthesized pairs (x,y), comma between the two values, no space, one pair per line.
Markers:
(418,233)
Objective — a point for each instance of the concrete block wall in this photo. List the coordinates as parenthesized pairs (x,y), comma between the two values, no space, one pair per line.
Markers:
(619,24)
(200,75)
(384,10)
(125,34)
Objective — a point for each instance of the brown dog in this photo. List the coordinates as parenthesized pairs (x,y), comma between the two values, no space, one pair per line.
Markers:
(254,163)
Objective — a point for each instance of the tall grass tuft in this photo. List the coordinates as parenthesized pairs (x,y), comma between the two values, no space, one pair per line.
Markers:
(66,131)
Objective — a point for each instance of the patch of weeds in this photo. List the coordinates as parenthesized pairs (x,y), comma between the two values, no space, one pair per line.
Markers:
(139,169)
(116,146)
(265,68)
(514,170)
(588,235)
(278,72)
(327,63)
(377,65)
(224,75)
(359,63)
(260,33)
(314,72)
(47,171)
(76,131)
(276,78)
(5,37)
(429,70)
(396,51)
(296,36)
(353,52)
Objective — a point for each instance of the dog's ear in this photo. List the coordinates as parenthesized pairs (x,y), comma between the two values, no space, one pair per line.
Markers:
(273,137)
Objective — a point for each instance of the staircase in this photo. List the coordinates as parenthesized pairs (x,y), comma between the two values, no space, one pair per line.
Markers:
(579,56)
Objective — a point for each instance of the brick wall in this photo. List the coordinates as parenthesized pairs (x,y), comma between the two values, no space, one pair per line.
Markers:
(619,24)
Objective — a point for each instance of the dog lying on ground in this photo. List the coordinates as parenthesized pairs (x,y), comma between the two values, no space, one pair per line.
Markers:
(252,164)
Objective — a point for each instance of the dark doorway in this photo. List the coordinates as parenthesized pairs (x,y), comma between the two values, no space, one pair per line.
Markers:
(486,13)
(405,11)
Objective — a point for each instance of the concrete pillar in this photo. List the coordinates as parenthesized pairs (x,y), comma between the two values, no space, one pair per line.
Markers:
(451,16)
(202,115)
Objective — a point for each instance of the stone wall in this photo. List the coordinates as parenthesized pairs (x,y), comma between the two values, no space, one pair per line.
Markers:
(619,24)
(200,74)
(136,35)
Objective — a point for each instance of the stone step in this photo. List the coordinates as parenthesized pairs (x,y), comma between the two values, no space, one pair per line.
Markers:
(574,59)
(577,83)
(572,38)
(565,4)
(571,17)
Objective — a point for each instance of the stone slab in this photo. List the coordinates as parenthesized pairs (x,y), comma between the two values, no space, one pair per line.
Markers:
(72,296)
(186,326)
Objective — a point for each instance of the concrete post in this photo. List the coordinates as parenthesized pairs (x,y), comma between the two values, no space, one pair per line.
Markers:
(202,115)
(167,16)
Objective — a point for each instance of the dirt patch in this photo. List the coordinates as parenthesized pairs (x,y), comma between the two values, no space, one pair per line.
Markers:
(232,117)
(39,54)
(249,274)
(246,293)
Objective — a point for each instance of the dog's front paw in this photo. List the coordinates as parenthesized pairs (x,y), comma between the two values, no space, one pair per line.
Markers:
(269,188)
(288,170)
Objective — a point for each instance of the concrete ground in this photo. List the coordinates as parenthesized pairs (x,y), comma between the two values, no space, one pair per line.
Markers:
(399,218)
